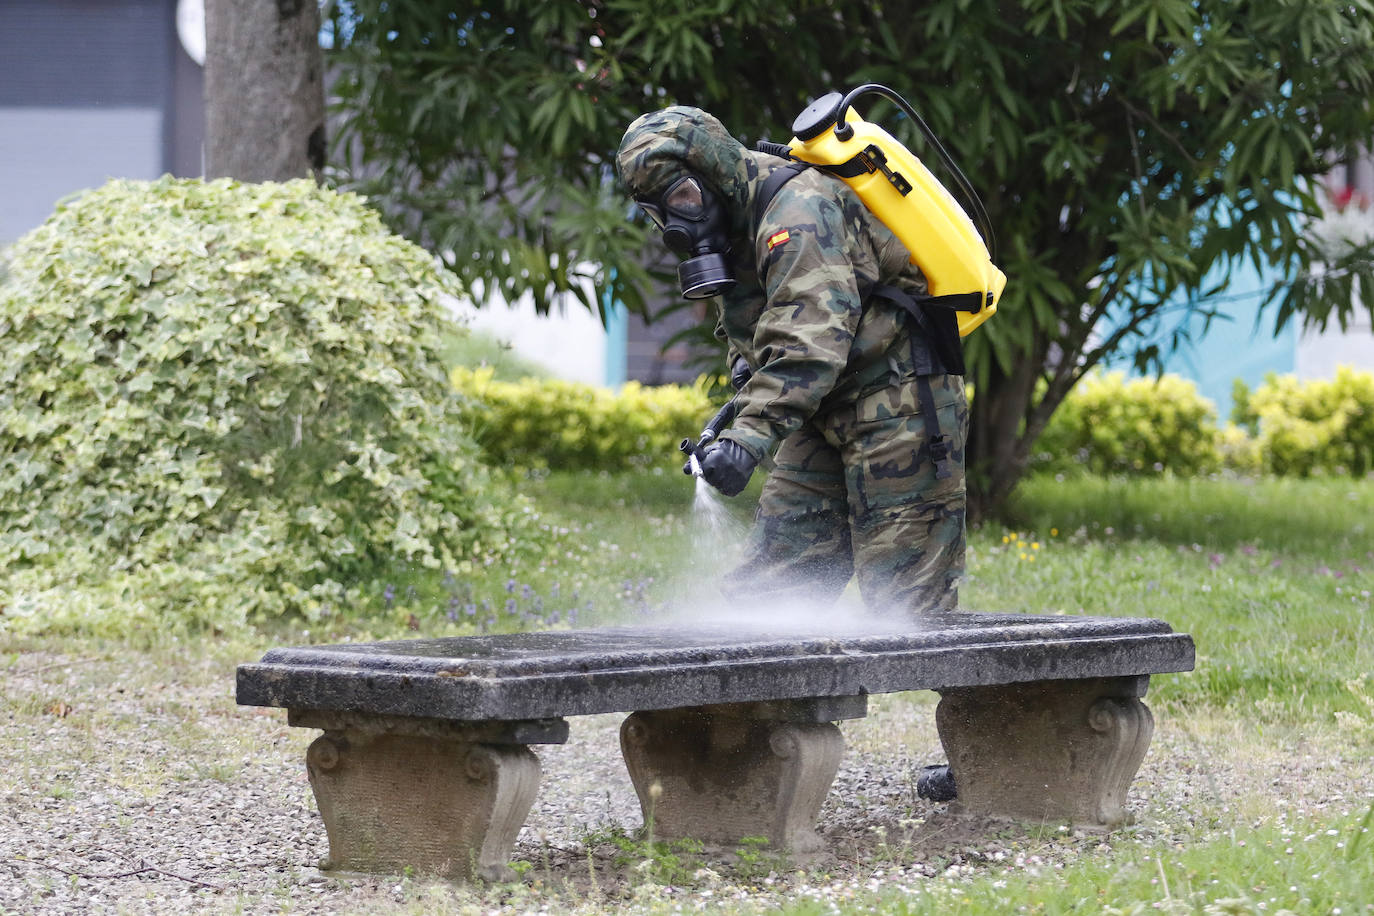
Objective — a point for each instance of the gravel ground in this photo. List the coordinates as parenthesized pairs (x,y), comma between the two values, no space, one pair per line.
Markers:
(131,783)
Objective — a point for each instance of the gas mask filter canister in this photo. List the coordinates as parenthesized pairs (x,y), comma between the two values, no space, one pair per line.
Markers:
(693,224)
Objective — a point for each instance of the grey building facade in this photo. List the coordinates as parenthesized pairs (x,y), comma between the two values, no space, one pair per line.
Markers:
(90,90)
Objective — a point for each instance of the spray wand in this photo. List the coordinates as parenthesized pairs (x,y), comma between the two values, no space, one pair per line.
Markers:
(696,452)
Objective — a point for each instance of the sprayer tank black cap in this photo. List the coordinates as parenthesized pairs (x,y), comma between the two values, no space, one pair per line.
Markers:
(818,117)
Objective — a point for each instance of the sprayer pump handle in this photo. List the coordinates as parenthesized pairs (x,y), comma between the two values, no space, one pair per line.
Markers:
(782,150)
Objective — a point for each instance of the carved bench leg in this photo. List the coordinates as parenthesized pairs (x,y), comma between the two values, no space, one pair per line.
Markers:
(720,774)
(1046,751)
(438,806)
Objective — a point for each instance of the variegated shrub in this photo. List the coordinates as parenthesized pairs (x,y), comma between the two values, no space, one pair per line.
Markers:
(221,401)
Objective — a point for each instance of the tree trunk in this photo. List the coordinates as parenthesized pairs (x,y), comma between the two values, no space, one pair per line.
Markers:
(264,89)
(999,449)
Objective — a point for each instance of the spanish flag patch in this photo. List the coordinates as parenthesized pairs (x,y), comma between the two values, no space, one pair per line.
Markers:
(778,238)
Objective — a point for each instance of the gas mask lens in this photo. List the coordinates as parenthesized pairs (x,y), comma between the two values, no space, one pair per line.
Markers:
(693,226)
(654,213)
(683,198)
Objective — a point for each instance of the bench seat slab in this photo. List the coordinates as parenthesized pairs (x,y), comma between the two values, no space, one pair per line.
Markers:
(535,676)
(1055,751)
(439,806)
(424,762)
(719,776)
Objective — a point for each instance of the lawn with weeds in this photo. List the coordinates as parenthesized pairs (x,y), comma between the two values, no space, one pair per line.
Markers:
(130,781)
(1273,578)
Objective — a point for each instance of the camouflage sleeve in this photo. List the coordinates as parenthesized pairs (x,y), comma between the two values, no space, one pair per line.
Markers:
(731,354)
(804,335)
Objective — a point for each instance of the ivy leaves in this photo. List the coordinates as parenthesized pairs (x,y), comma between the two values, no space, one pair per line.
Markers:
(232,394)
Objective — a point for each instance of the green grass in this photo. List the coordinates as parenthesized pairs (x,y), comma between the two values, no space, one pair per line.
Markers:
(1325,520)
(1298,868)
(1272,578)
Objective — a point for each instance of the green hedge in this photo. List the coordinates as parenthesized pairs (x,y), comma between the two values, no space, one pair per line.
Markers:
(559,425)
(1112,425)
(1302,428)
(1109,424)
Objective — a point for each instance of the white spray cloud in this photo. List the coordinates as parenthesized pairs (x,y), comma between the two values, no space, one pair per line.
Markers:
(718,537)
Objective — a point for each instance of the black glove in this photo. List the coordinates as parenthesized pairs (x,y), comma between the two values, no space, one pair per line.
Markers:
(740,373)
(727,466)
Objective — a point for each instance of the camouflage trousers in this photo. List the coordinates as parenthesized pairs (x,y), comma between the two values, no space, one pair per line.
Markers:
(855,492)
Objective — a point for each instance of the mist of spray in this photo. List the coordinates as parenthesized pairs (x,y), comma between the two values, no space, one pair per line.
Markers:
(718,537)
(718,540)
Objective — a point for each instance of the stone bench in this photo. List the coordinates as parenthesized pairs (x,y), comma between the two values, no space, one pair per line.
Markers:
(425,760)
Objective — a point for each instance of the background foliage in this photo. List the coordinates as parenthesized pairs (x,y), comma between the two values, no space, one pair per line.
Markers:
(1109,425)
(560,425)
(1131,155)
(224,401)
(1317,426)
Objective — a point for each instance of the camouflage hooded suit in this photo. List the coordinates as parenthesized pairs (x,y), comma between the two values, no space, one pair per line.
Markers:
(833,394)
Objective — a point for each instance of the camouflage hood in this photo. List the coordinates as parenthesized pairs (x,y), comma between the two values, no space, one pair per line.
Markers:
(661,145)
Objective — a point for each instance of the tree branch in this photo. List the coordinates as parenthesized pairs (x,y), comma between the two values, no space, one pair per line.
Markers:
(1133,111)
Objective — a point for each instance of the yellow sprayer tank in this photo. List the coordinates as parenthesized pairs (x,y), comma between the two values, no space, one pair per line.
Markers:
(909,200)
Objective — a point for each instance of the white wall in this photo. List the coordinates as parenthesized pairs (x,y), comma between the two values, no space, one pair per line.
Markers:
(569,341)
(48,153)
(1319,353)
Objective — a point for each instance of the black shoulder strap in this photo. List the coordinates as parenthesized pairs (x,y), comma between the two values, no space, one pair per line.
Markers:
(772,184)
(940,329)
(950,353)
(960,302)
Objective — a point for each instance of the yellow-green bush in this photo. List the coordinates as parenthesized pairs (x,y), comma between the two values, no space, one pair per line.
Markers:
(1239,451)
(1285,426)
(224,401)
(1111,425)
(1108,425)
(559,425)
(1319,426)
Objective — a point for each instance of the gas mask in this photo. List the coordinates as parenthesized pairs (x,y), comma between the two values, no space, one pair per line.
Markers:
(694,227)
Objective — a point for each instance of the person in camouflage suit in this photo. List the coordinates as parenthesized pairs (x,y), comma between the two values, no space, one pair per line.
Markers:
(832,381)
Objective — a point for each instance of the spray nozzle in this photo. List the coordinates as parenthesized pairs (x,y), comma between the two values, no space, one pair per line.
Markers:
(696,451)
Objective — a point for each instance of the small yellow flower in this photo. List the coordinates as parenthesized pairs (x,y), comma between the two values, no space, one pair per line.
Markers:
(1054,532)
(1005,539)
(1035,545)
(1031,558)
(1023,556)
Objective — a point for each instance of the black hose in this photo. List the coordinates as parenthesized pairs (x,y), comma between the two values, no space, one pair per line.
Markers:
(723,418)
(843,131)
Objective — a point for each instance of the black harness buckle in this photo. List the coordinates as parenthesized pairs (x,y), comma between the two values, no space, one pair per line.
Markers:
(939,456)
(875,160)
